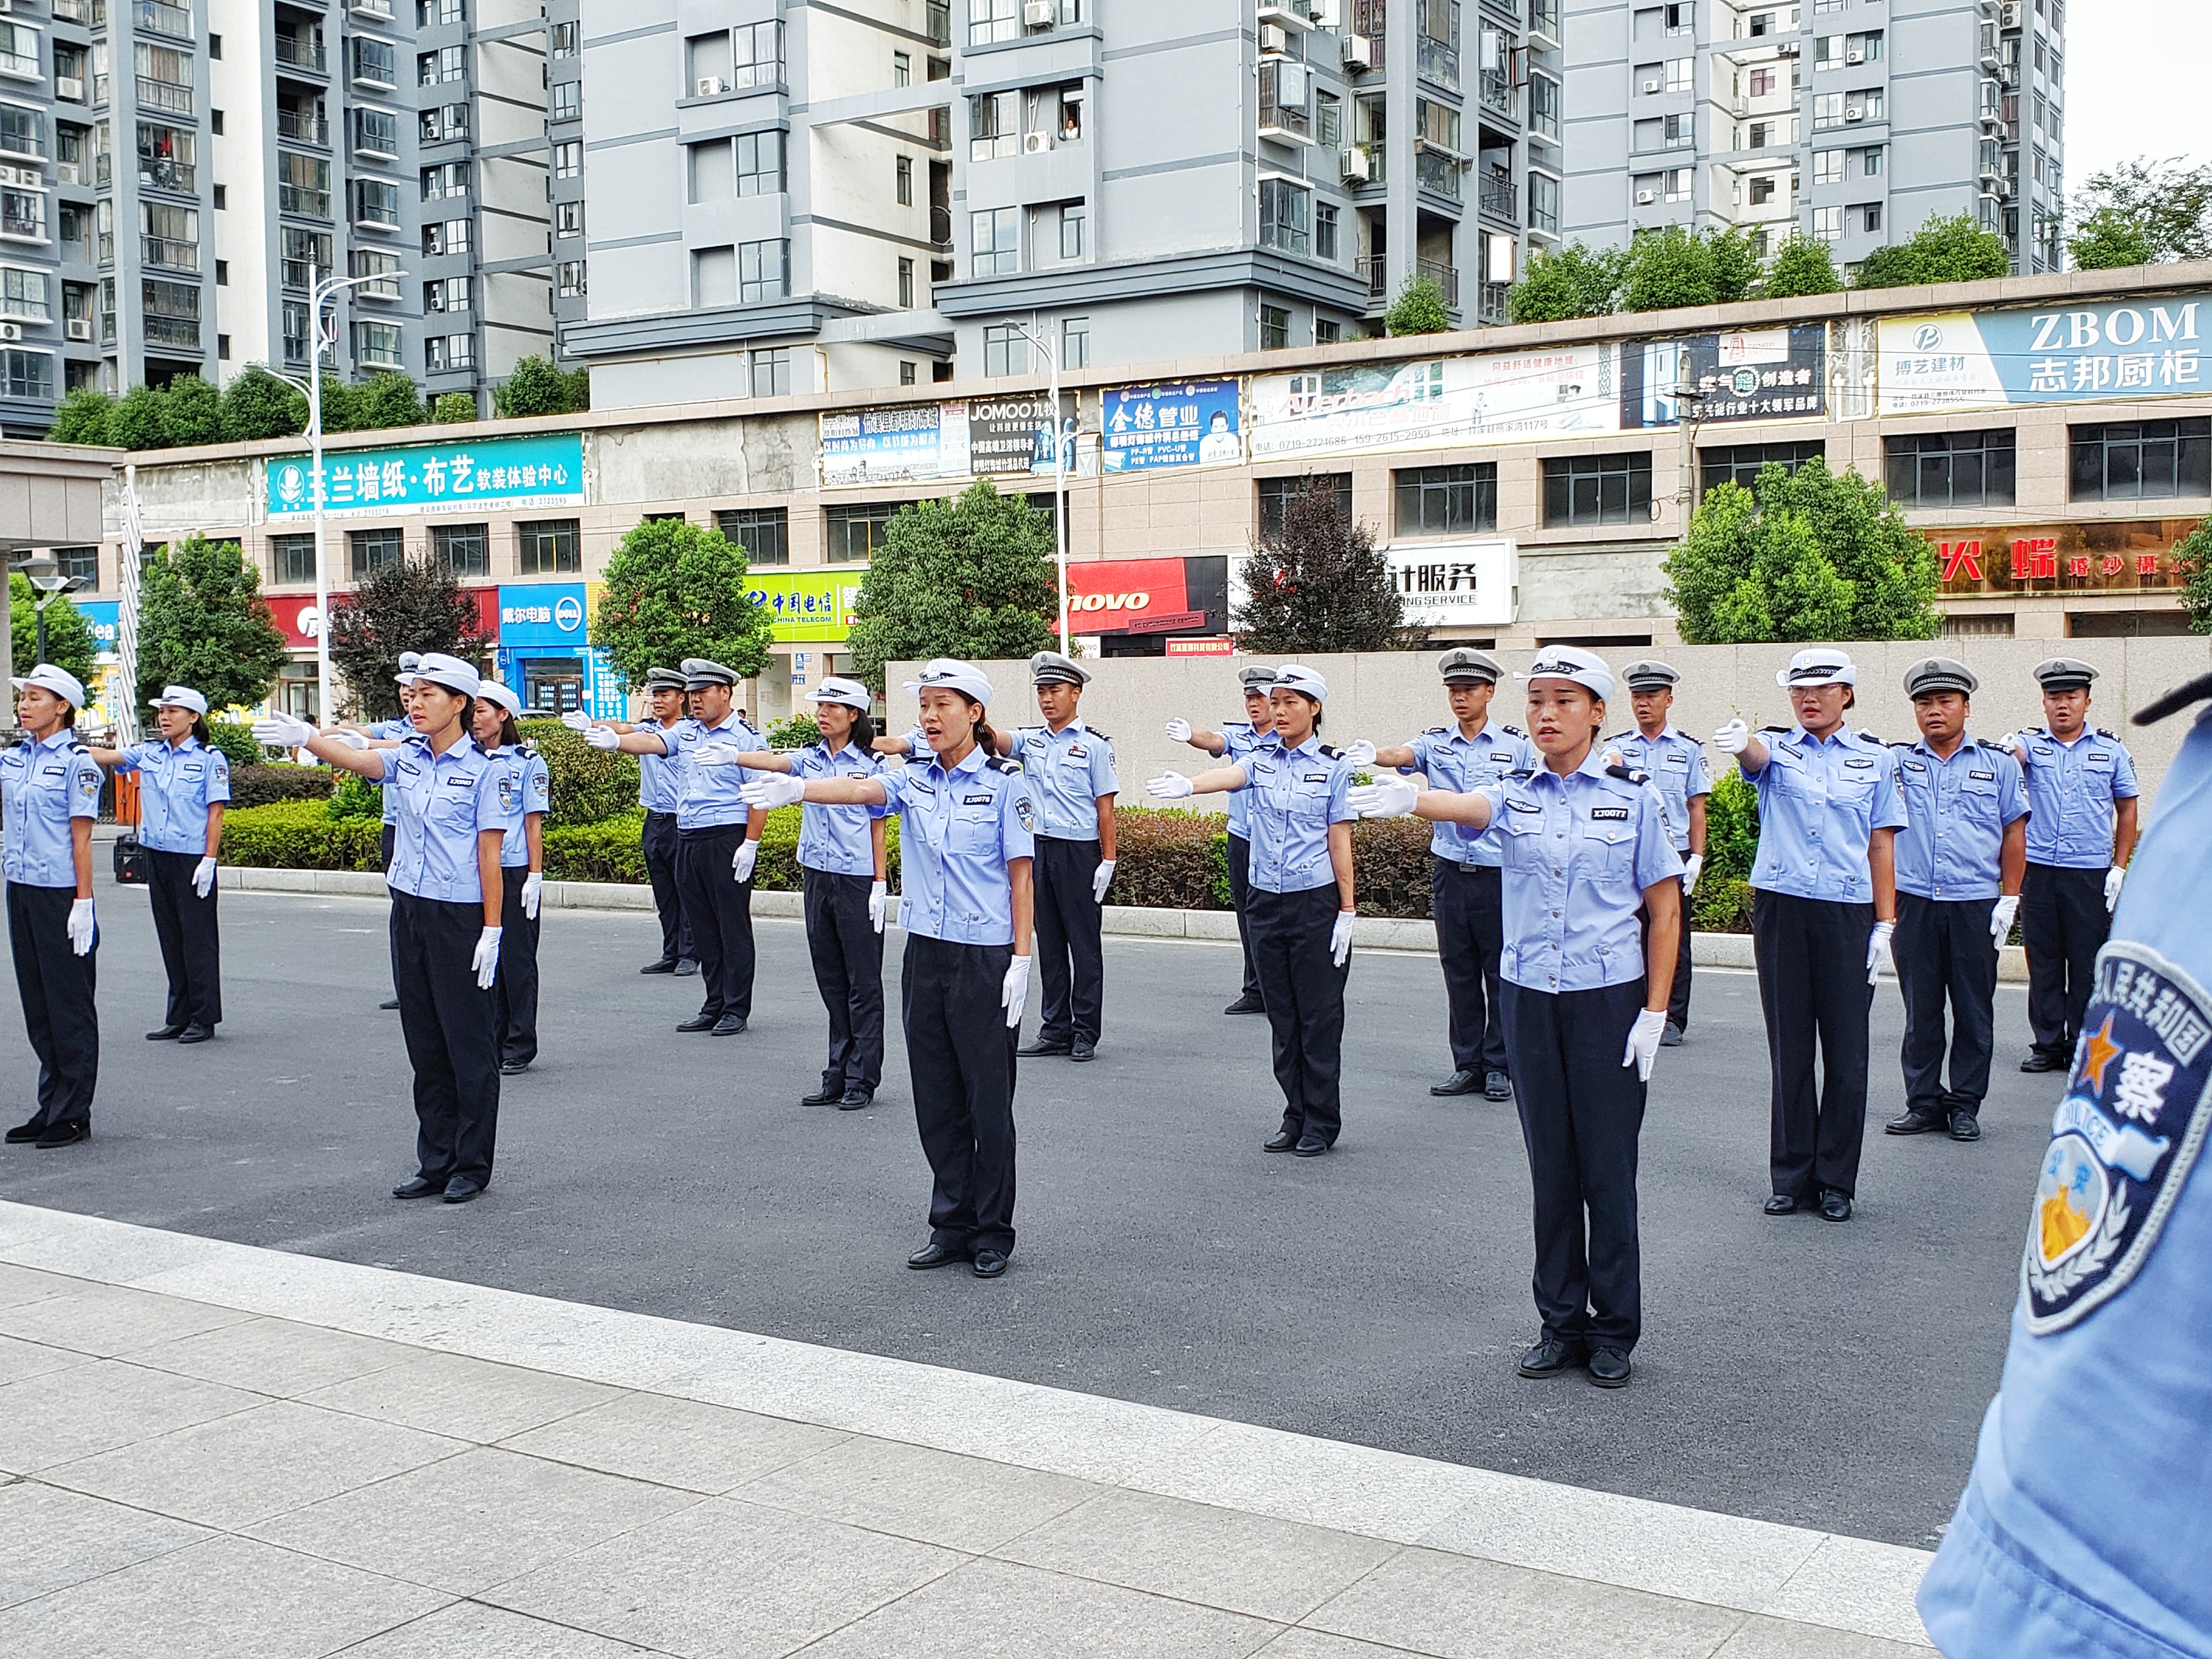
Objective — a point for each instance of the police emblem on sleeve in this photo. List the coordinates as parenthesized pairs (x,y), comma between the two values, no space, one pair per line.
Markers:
(510,792)
(2124,1140)
(1025,810)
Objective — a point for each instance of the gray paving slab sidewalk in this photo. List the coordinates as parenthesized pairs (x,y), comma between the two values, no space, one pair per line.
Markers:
(213,1448)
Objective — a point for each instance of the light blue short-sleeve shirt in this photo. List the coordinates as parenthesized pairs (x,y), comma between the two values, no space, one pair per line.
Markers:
(959,830)
(708,796)
(2072,788)
(1238,740)
(1675,763)
(1296,795)
(1452,760)
(1820,802)
(660,777)
(445,802)
(43,786)
(1956,813)
(528,788)
(1068,770)
(398,730)
(837,839)
(176,786)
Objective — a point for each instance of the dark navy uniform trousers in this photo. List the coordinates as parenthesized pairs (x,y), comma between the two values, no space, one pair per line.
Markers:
(1240,890)
(720,910)
(516,987)
(960,1056)
(2064,923)
(848,971)
(1071,960)
(57,986)
(1813,983)
(660,839)
(185,923)
(453,1035)
(1303,990)
(1943,954)
(1466,900)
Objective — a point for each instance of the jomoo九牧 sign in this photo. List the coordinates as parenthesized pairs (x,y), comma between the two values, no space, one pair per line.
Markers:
(545,471)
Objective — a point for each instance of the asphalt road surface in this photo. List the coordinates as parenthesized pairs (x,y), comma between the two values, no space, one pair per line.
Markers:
(1829,1377)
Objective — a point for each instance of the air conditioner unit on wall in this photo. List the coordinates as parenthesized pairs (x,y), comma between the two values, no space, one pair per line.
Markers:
(1358,52)
(1650,86)
(1353,167)
(1787,49)
(11,332)
(1035,143)
(2009,18)
(1037,14)
(1273,38)
(1645,198)
(712,86)
(79,328)
(1854,57)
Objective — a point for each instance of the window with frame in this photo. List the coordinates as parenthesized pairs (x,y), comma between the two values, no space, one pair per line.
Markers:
(81,562)
(445,294)
(1443,500)
(771,372)
(369,551)
(291,559)
(1324,226)
(994,242)
(1543,106)
(1827,167)
(1582,490)
(26,375)
(763,271)
(757,55)
(1285,210)
(569,158)
(1275,328)
(376,344)
(375,132)
(764,532)
(1544,203)
(990,21)
(855,532)
(1074,232)
(28,294)
(1828,223)
(568,218)
(906,284)
(1327,332)
(1741,464)
(903,179)
(447,236)
(1285,89)
(1276,494)
(568,279)
(1006,350)
(1869,214)
(430,12)
(1870,161)
(2142,460)
(375,201)
(1827,110)
(567,102)
(994,125)
(22,132)
(445,180)
(463,548)
(760,163)
(1680,130)
(1074,343)
(564,39)
(1952,469)
(1328,119)
(1679,71)
(548,547)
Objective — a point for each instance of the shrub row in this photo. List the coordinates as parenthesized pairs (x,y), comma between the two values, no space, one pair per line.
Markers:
(259,786)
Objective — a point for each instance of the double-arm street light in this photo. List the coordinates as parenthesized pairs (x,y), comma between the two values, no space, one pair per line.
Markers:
(44,575)
(1058,471)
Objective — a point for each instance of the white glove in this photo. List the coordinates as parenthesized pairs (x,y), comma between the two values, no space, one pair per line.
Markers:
(353,740)
(203,876)
(283,732)
(1878,949)
(879,898)
(576,721)
(1101,878)
(533,886)
(742,860)
(1340,939)
(602,737)
(1168,786)
(486,960)
(1733,739)
(1644,1042)
(773,789)
(1385,798)
(2001,919)
(1361,753)
(1179,729)
(1014,989)
(82,927)
(2113,878)
(1690,866)
(717,754)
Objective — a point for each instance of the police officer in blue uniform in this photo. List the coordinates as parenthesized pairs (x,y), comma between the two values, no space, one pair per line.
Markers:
(398,729)
(2081,831)
(183,784)
(1675,763)
(1824,904)
(1959,861)
(965,862)
(446,900)
(49,791)
(660,780)
(2082,1533)
(528,795)
(1303,900)
(843,863)
(718,840)
(1233,743)
(1472,754)
(1070,769)
(1593,896)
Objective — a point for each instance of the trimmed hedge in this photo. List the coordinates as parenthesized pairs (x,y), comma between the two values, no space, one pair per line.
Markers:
(258,786)
(590,786)
(299,835)
(1722,903)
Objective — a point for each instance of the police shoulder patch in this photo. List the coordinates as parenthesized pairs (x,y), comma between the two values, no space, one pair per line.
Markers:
(1002,763)
(1777,728)
(1436,730)
(1868,737)
(1097,733)
(1514,730)
(2124,1140)
(1333,752)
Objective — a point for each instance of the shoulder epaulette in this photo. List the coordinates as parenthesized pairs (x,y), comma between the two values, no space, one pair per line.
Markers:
(1513,731)
(1784,729)
(1526,772)
(1628,773)
(1002,763)
(1332,751)
(1868,737)
(528,747)
(2101,732)
(79,748)
(1622,737)
(1097,733)
(1435,731)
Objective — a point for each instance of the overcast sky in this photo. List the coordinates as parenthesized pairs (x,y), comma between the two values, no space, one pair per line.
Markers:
(2136,82)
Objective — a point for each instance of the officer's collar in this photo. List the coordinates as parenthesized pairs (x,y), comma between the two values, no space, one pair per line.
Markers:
(1804,739)
(1666,731)
(2086,731)
(728,722)
(1069,729)
(61,739)
(190,742)
(971,761)
(1482,733)
(1311,745)
(1920,745)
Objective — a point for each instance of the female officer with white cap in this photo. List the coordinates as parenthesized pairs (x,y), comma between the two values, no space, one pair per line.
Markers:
(844,875)
(50,789)
(1301,906)
(1824,904)
(964,860)
(1236,739)
(528,795)
(446,897)
(183,784)
(1586,856)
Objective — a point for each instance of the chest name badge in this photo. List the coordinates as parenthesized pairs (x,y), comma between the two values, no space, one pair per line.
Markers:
(975,800)
(1503,757)
(2124,1140)
(1981,777)
(1613,814)
(1077,752)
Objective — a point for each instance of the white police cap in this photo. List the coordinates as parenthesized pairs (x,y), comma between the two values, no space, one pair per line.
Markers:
(835,688)
(181,697)
(493,691)
(451,673)
(1823,665)
(409,661)
(664,679)
(59,681)
(2063,674)
(1293,676)
(1467,666)
(1256,677)
(951,674)
(1571,662)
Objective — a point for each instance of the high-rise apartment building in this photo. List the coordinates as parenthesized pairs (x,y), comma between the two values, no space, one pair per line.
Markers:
(1854,121)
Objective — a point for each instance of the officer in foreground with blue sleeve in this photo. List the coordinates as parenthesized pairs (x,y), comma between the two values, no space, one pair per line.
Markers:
(398,729)
(2082,1533)
(1675,763)
(1233,743)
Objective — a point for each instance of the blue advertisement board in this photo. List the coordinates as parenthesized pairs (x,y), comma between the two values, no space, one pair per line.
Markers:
(544,613)
(469,473)
(2122,349)
(102,615)
(1189,423)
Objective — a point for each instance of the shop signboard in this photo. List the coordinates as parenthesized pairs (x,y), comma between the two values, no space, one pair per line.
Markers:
(808,606)
(2122,556)
(1150,428)
(467,476)
(302,624)
(1458,584)
(545,614)
(2126,350)
(898,443)
(1012,437)
(1447,402)
(1750,374)
(1148,596)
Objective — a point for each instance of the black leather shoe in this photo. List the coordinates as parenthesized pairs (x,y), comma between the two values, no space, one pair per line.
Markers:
(2038,1061)
(854,1099)
(700,1023)
(1670,1038)
(196,1033)
(989,1264)
(824,1096)
(461,1188)
(1459,1083)
(1608,1368)
(934,1255)
(389,1004)
(1914,1123)
(1246,1005)
(166,1034)
(67,1133)
(1550,1356)
(1965,1126)
(665,965)
(23,1133)
(1497,1086)
(1281,1141)
(1042,1047)
(512,1067)
(1782,1204)
(1835,1206)
(686,968)
(418,1187)
(1309,1146)
(728,1026)
(1082,1050)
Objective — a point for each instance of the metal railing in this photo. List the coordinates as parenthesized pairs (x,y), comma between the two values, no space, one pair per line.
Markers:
(164,95)
(1444,275)
(303,126)
(304,200)
(166,174)
(1490,302)
(172,330)
(168,253)
(1498,198)
(1437,173)
(295,53)
(1373,270)
(158,18)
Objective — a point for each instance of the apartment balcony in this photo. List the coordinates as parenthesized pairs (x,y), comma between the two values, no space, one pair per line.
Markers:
(1375,271)
(380,10)
(1438,63)
(165,175)
(1499,94)
(74,11)
(24,226)
(1490,303)
(164,95)
(1498,197)
(169,254)
(183,332)
(295,53)
(1444,275)
(303,126)
(303,200)
(1438,171)
(157,18)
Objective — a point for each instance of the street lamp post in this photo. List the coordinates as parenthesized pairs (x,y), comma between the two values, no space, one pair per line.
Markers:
(1058,471)
(44,574)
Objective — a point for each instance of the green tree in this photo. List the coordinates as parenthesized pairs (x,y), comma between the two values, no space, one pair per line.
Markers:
(69,641)
(1668,269)
(1319,583)
(1737,265)
(2109,239)
(195,411)
(82,417)
(536,387)
(1576,281)
(453,406)
(388,401)
(257,405)
(2192,555)
(971,577)
(1419,308)
(414,605)
(676,590)
(140,419)
(1953,249)
(1809,555)
(2166,204)
(341,405)
(1803,267)
(203,622)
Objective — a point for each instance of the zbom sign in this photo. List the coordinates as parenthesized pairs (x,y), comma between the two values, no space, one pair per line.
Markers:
(1989,359)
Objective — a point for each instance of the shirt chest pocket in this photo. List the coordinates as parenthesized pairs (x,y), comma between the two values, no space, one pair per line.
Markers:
(1609,847)
(974,828)
(453,807)
(1520,839)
